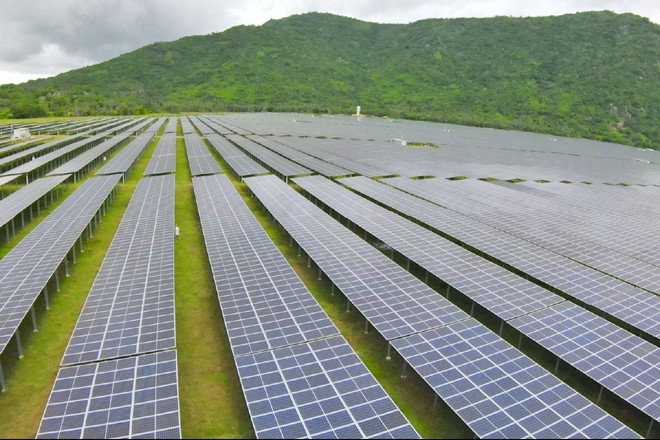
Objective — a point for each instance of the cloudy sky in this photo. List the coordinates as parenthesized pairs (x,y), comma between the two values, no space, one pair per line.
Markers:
(46,37)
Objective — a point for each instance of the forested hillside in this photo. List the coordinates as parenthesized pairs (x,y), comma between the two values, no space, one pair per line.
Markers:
(594,75)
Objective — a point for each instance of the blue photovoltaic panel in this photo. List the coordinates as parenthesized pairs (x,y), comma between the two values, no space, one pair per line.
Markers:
(163,159)
(27,268)
(200,159)
(130,307)
(319,389)
(498,391)
(134,397)
(264,304)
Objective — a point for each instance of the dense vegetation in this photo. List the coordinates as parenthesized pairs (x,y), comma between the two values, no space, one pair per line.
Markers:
(594,75)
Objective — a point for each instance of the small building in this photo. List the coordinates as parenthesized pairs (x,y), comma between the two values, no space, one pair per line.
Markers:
(20,133)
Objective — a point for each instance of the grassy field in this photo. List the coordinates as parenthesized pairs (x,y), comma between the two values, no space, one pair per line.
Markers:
(29,380)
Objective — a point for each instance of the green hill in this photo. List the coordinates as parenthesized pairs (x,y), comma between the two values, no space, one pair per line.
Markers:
(594,75)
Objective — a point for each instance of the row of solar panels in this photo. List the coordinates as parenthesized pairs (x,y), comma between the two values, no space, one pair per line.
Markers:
(493,387)
(532,310)
(299,377)
(125,380)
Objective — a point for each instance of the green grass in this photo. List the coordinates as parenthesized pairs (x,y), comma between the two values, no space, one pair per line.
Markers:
(29,380)
(211,399)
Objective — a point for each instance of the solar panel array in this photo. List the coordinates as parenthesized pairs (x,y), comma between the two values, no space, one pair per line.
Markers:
(319,389)
(186,126)
(38,150)
(278,163)
(126,158)
(498,391)
(613,357)
(65,153)
(170,128)
(12,205)
(213,124)
(503,293)
(632,305)
(134,397)
(200,159)
(264,303)
(26,269)
(163,159)
(156,126)
(536,402)
(322,167)
(130,307)
(89,157)
(237,160)
(17,146)
(201,126)
(299,378)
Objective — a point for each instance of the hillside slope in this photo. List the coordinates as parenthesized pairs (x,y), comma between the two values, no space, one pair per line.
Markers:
(594,75)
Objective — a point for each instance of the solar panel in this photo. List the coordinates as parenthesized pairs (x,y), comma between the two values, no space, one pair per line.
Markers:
(14,204)
(628,303)
(170,128)
(163,160)
(499,392)
(278,163)
(65,153)
(503,293)
(390,298)
(200,160)
(322,167)
(27,268)
(319,389)
(186,126)
(41,149)
(128,156)
(480,355)
(264,304)
(156,126)
(134,397)
(613,357)
(238,161)
(130,307)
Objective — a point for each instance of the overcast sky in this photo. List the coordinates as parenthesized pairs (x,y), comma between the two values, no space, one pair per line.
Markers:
(46,37)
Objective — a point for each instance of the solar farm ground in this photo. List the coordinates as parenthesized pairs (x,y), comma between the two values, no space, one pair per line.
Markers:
(210,395)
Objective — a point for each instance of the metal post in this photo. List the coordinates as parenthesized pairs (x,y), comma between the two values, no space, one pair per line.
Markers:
(403,370)
(348,305)
(333,289)
(472,309)
(389,349)
(648,433)
(600,395)
(3,386)
(80,243)
(73,253)
(299,250)
(66,266)
(309,262)
(520,341)
(426,277)
(557,369)
(501,328)
(366,326)
(408,265)
(34,319)
(17,336)
(435,401)
(320,274)
(448,291)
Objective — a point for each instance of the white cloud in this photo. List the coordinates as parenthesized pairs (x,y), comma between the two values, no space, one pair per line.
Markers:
(45,37)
